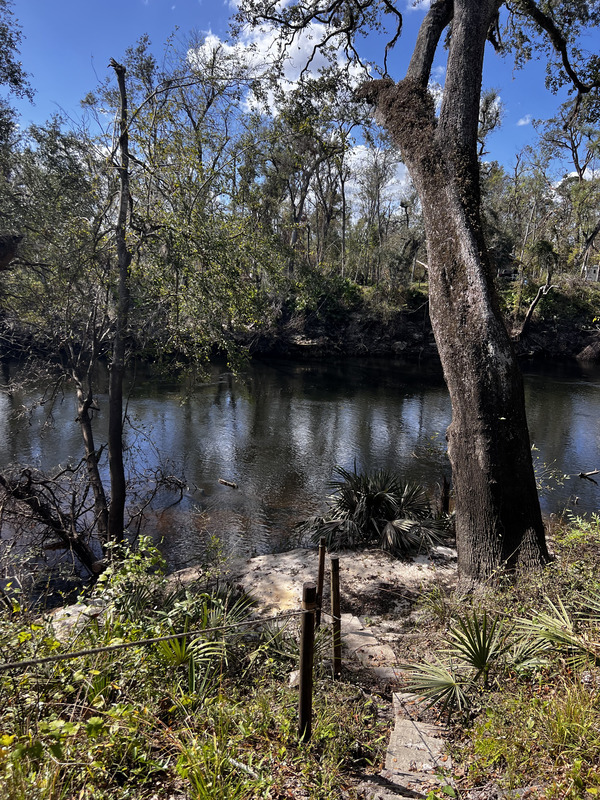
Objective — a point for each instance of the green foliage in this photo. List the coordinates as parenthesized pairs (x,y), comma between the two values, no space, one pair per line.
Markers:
(379,509)
(415,297)
(476,645)
(12,74)
(546,732)
(520,672)
(579,301)
(213,711)
(323,301)
(564,632)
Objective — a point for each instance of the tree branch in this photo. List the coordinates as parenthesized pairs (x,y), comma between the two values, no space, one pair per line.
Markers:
(437,18)
(23,490)
(559,42)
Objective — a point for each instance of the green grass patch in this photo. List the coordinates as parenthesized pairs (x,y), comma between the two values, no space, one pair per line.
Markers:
(518,673)
(207,717)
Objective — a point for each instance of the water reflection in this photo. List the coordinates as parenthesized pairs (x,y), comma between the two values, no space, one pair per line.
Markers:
(279,431)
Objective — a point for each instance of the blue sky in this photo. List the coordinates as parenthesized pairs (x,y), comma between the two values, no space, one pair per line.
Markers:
(67,45)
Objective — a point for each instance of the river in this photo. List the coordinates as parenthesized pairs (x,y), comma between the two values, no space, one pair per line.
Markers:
(278,431)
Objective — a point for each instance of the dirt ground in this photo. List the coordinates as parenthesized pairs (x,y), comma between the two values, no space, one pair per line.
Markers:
(372,583)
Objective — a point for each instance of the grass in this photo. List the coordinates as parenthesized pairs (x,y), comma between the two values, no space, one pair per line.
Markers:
(218,719)
(533,724)
(212,718)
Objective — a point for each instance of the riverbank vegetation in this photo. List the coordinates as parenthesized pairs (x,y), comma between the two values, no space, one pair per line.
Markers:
(262,224)
(515,669)
(271,231)
(198,207)
(379,509)
(214,715)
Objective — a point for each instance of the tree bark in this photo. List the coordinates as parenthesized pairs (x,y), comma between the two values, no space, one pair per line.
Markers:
(498,519)
(117,367)
(84,403)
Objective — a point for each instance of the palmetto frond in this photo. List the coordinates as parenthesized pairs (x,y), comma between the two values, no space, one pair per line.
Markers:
(404,536)
(478,642)
(439,684)
(558,629)
(377,508)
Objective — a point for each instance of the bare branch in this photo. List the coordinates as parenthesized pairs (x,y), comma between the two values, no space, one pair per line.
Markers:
(35,494)
(343,19)
(559,42)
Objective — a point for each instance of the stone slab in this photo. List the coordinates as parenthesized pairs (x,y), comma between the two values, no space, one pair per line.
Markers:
(416,748)
(364,645)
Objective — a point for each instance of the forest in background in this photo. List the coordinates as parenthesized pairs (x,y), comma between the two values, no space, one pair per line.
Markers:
(252,209)
(203,207)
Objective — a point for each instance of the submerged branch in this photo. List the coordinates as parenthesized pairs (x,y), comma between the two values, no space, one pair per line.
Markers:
(28,491)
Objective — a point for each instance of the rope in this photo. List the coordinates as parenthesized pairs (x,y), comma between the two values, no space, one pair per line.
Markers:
(331,616)
(123,645)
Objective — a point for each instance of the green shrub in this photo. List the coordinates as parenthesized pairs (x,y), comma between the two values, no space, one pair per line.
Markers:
(377,509)
(211,715)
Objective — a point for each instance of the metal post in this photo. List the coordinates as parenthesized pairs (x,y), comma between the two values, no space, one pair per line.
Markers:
(307,649)
(335,613)
(320,580)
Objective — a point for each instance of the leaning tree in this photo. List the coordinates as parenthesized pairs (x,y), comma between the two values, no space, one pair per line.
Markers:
(498,518)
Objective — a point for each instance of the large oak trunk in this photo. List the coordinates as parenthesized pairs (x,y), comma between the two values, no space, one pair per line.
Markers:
(498,518)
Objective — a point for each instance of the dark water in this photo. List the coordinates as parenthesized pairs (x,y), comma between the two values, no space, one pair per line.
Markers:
(279,431)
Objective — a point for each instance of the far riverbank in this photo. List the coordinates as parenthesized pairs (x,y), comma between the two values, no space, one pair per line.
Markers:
(407,333)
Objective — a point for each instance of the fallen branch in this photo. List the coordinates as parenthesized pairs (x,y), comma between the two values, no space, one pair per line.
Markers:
(587,475)
(27,491)
(541,292)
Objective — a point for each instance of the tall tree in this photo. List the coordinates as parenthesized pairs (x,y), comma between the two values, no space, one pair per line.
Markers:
(15,80)
(118,482)
(57,308)
(12,74)
(498,518)
(571,142)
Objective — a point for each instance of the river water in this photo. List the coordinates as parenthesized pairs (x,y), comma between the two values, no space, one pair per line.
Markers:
(278,431)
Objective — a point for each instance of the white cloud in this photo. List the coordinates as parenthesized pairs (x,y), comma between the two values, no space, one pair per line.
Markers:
(589,174)
(418,5)
(436,90)
(259,48)
(526,120)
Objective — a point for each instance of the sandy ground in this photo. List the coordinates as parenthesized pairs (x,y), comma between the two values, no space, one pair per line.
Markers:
(371,582)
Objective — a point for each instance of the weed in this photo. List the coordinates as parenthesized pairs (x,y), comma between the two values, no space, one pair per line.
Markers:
(212,713)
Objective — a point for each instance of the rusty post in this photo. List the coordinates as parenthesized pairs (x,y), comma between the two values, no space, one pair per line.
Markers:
(320,580)
(335,613)
(307,649)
